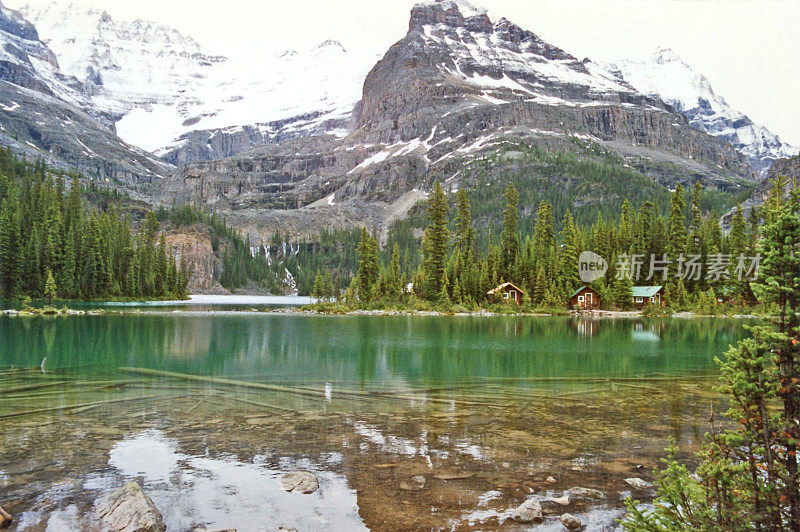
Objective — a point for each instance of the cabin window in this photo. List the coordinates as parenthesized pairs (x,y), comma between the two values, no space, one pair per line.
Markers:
(652,300)
(638,299)
(580,300)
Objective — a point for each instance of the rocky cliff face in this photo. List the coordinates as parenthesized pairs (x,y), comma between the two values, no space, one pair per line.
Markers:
(454,89)
(786,168)
(789,167)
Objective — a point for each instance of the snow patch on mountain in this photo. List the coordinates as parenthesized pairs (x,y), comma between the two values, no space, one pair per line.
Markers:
(668,77)
(161,84)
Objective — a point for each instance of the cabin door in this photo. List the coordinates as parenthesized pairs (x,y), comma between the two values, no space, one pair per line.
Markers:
(589,300)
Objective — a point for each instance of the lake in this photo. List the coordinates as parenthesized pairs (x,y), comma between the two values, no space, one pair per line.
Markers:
(408,422)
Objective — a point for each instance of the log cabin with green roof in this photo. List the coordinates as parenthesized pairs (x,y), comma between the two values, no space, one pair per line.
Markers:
(648,295)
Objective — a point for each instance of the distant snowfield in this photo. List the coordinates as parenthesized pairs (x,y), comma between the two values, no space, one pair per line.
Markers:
(164,84)
(325,80)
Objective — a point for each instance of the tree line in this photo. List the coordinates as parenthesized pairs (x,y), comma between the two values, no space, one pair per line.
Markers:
(452,269)
(54,244)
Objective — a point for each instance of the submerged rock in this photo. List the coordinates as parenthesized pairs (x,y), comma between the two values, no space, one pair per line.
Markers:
(300,482)
(129,509)
(563,501)
(529,511)
(571,522)
(415,483)
(638,483)
(584,493)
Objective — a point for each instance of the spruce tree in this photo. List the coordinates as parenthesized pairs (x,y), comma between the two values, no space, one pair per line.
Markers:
(368,267)
(434,244)
(509,239)
(50,288)
(464,238)
(676,226)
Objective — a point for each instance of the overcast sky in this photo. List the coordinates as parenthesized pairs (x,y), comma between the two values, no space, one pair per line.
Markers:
(749,50)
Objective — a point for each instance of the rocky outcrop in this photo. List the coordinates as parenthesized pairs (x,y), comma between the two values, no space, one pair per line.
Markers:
(781,168)
(214,144)
(786,168)
(193,246)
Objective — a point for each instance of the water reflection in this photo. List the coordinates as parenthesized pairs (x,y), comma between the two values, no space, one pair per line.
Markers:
(366,350)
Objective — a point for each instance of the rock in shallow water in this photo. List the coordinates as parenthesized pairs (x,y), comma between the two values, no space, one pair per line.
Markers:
(129,509)
(571,522)
(584,493)
(415,483)
(300,482)
(638,483)
(529,511)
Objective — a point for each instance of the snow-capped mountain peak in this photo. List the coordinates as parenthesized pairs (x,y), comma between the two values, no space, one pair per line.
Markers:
(161,84)
(668,77)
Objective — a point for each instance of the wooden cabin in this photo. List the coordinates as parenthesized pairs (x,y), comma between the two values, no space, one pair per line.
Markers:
(506,292)
(584,298)
(645,295)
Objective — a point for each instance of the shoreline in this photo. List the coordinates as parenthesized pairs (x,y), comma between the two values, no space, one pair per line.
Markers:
(302,311)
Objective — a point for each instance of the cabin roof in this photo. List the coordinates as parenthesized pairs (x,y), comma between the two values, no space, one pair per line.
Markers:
(645,291)
(503,287)
(578,291)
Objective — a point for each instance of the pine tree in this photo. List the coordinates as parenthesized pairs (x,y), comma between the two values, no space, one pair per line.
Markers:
(622,293)
(676,226)
(464,238)
(435,243)
(694,244)
(318,290)
(570,253)
(367,266)
(509,239)
(50,289)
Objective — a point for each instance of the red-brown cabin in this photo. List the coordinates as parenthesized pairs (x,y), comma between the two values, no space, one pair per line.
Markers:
(507,292)
(584,298)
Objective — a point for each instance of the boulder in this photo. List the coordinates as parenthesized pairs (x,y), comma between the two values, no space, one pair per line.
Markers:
(571,522)
(300,482)
(638,483)
(529,511)
(129,509)
(584,493)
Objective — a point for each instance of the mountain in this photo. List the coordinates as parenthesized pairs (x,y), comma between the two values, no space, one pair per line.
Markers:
(47,113)
(668,77)
(461,91)
(788,167)
(171,96)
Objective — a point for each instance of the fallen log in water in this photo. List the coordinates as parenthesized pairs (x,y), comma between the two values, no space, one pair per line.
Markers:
(31,387)
(298,391)
(85,406)
(234,383)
